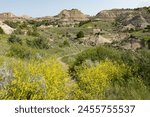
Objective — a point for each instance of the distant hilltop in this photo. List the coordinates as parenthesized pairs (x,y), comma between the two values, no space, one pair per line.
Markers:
(131,17)
(77,15)
(72,15)
(65,15)
(11,16)
(7,15)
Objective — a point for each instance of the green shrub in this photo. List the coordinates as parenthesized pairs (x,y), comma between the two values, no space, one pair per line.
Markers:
(84,22)
(137,75)
(33,33)
(37,80)
(146,38)
(98,53)
(148,27)
(39,23)
(143,65)
(147,9)
(132,36)
(93,81)
(12,23)
(39,43)
(18,31)
(2,58)
(22,52)
(1,31)
(23,25)
(14,39)
(132,89)
(65,44)
(80,34)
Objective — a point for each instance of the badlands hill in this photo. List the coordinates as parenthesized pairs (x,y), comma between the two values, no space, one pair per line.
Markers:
(138,17)
(72,15)
(11,16)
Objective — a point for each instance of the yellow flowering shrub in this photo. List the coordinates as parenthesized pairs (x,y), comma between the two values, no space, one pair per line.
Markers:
(37,80)
(94,80)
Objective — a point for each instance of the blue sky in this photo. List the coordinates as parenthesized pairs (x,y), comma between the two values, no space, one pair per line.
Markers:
(38,8)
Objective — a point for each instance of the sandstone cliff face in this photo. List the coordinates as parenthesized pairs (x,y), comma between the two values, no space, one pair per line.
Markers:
(112,14)
(139,17)
(128,13)
(72,15)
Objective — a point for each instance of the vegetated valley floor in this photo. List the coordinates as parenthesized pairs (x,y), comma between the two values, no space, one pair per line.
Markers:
(90,59)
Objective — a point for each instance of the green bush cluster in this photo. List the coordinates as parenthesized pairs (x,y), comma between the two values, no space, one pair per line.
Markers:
(33,32)
(16,24)
(20,51)
(18,31)
(80,34)
(14,39)
(65,44)
(94,80)
(98,53)
(39,43)
(133,77)
(147,9)
(11,23)
(39,23)
(84,22)
(37,80)
(102,72)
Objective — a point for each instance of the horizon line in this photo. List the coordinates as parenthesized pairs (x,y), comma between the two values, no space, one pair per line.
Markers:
(70,9)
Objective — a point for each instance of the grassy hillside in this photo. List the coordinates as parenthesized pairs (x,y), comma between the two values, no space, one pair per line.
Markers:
(55,63)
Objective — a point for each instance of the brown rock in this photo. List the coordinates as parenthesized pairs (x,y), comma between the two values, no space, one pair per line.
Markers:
(72,15)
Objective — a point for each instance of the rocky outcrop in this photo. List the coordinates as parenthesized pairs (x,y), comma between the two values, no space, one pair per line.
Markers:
(7,16)
(72,15)
(95,40)
(132,44)
(128,27)
(12,17)
(7,29)
(138,17)
(26,17)
(111,14)
(51,18)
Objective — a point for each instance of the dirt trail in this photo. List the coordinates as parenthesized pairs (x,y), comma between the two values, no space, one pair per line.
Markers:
(63,63)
